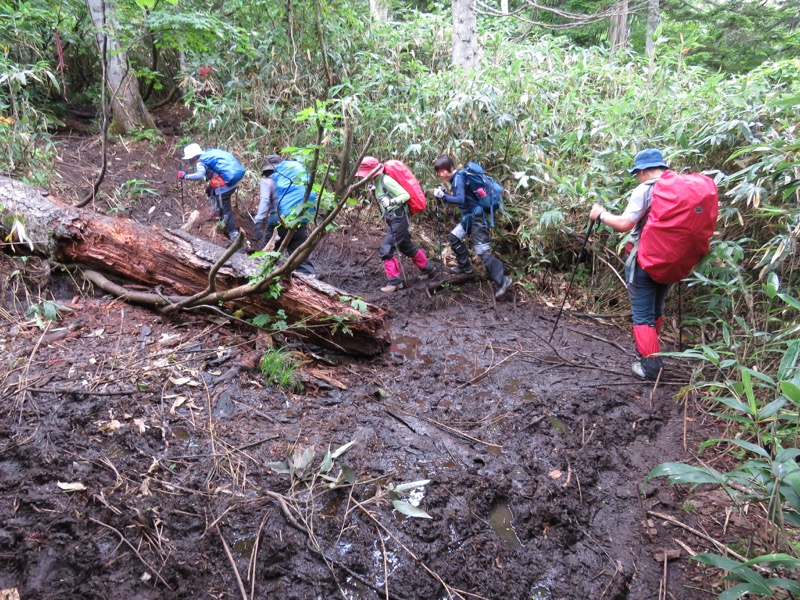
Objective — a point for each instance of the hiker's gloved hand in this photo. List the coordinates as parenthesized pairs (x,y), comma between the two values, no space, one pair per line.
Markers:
(371,188)
(181,174)
(273,220)
(387,203)
(438,192)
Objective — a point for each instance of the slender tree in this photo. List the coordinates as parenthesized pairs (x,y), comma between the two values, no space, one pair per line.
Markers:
(653,18)
(379,9)
(465,34)
(618,31)
(126,101)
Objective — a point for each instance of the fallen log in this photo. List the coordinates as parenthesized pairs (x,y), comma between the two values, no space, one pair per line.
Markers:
(177,265)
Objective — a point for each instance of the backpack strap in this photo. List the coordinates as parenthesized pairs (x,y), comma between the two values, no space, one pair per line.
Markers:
(630,262)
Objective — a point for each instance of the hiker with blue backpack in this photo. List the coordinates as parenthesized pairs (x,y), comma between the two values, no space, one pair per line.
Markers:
(394,201)
(223,173)
(477,196)
(280,206)
(671,219)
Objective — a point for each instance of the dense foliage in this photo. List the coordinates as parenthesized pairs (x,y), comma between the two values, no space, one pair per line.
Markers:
(558,124)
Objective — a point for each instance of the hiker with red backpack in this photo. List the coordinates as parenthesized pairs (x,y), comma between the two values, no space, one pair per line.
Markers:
(671,218)
(474,223)
(223,173)
(395,204)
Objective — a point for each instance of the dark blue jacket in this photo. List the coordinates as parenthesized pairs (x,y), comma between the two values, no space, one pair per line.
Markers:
(461,195)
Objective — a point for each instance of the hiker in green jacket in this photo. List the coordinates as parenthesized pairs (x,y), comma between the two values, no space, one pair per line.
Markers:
(392,199)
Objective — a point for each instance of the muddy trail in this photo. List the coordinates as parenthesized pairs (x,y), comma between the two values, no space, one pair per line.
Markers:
(136,451)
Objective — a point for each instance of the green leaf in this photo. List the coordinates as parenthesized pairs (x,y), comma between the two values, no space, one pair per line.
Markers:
(771,409)
(279,467)
(789,360)
(754,448)
(349,475)
(791,391)
(342,449)
(410,510)
(681,473)
(301,461)
(405,487)
(772,285)
(738,572)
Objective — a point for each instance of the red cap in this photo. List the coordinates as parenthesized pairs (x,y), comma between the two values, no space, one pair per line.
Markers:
(367,166)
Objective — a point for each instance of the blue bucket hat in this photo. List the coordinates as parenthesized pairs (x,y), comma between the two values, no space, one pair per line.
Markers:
(648,159)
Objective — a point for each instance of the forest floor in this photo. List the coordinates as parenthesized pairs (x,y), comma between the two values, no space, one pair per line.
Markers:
(146,474)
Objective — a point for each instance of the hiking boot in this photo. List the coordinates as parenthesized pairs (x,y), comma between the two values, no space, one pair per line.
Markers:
(459,270)
(427,272)
(392,287)
(501,291)
(233,236)
(638,370)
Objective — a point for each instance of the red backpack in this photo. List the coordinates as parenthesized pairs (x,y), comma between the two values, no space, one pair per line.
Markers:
(403,175)
(677,234)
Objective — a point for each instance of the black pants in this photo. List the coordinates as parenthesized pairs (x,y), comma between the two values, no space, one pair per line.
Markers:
(398,235)
(481,242)
(222,203)
(299,236)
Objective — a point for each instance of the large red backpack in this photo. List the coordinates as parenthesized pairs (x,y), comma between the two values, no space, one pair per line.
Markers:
(677,234)
(403,175)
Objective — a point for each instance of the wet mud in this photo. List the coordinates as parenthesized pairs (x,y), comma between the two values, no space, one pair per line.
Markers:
(137,456)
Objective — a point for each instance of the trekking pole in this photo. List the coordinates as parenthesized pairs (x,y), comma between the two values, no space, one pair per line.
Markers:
(680,317)
(183,210)
(439,232)
(571,279)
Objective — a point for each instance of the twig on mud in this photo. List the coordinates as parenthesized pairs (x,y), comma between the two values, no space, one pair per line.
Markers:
(285,511)
(24,376)
(233,564)
(616,563)
(487,371)
(328,561)
(655,387)
(385,566)
(598,338)
(700,534)
(84,392)
(454,431)
(450,590)
(251,567)
(134,550)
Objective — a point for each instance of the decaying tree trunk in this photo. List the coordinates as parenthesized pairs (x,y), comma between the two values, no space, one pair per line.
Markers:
(178,265)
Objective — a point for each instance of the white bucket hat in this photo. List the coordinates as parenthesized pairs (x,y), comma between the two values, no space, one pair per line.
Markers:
(191,151)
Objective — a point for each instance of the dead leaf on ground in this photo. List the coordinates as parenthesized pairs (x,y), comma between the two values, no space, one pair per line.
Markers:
(555,474)
(71,487)
(108,427)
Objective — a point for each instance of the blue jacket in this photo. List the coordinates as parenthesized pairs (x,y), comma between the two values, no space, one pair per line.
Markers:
(461,195)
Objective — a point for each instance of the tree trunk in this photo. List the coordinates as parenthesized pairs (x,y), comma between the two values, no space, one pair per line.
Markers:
(126,102)
(504,6)
(465,34)
(379,9)
(618,31)
(653,18)
(180,264)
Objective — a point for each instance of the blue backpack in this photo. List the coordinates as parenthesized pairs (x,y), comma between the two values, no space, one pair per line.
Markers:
(224,164)
(291,180)
(485,190)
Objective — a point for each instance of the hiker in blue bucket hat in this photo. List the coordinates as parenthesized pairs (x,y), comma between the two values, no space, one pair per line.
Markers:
(646,295)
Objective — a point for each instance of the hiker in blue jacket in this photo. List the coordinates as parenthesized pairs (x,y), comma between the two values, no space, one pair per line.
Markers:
(473,223)
(223,173)
(646,296)
(269,214)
